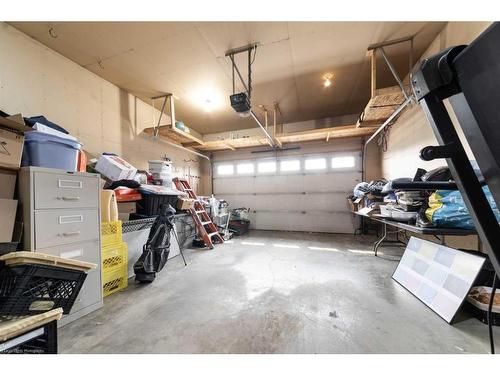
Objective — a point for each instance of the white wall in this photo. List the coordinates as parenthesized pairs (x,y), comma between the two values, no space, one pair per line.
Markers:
(35,80)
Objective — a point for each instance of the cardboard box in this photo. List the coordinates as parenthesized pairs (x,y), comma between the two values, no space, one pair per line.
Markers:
(185,203)
(8,208)
(127,208)
(7,183)
(369,211)
(354,205)
(115,168)
(12,130)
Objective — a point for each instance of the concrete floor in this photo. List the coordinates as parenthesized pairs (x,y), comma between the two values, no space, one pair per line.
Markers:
(273,292)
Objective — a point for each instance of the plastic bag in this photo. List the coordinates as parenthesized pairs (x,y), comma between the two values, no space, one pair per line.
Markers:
(447,209)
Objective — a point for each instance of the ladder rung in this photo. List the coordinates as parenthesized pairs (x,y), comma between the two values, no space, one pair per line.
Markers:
(212,234)
(205,222)
(199,212)
(188,189)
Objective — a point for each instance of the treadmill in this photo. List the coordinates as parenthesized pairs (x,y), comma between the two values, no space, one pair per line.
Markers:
(469,78)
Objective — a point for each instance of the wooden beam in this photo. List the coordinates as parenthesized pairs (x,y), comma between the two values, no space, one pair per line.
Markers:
(274,121)
(190,144)
(172,110)
(230,147)
(348,131)
(321,134)
(373,60)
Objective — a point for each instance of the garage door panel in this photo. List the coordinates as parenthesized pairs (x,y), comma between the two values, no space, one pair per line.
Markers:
(314,222)
(323,202)
(283,183)
(229,185)
(264,201)
(297,201)
(332,181)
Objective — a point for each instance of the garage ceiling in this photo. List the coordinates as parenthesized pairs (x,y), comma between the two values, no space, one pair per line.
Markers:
(187,58)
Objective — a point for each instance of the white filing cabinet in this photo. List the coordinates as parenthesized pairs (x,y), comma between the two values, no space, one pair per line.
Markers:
(61,217)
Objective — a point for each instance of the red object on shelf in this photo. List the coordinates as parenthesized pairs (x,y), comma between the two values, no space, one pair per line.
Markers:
(82,161)
(124,194)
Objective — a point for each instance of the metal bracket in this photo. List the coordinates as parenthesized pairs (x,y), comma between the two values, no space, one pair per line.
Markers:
(273,142)
(170,97)
(230,53)
(409,97)
(380,47)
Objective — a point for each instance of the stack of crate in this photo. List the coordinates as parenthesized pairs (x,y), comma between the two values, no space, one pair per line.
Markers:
(114,258)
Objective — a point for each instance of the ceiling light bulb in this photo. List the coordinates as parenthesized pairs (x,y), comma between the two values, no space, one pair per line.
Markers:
(327,82)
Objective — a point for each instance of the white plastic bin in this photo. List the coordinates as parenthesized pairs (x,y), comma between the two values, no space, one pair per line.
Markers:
(160,166)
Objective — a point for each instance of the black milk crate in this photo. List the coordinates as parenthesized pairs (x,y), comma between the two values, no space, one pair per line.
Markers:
(31,289)
(239,227)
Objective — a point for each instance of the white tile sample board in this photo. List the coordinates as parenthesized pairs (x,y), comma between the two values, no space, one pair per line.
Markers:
(437,275)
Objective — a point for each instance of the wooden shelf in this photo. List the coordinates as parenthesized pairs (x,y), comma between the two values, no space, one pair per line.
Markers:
(177,135)
(381,106)
(325,134)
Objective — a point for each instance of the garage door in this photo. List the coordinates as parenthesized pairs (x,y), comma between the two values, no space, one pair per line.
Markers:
(297,193)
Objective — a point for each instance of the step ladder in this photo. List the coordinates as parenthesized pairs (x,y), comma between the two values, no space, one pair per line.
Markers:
(204,225)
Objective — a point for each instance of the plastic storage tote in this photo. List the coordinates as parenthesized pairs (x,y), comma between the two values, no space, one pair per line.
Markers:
(50,151)
(150,203)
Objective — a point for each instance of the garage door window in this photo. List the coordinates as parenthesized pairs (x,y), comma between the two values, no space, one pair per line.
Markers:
(225,169)
(245,168)
(315,164)
(266,167)
(289,165)
(343,162)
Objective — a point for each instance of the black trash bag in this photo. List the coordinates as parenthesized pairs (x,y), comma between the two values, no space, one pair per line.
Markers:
(155,251)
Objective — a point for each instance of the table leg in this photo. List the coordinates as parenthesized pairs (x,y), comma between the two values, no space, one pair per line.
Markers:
(381,239)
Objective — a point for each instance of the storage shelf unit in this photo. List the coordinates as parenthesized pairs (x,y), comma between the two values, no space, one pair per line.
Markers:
(381,106)
(323,134)
(177,135)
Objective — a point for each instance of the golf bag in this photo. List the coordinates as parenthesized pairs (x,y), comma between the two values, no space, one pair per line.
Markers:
(155,251)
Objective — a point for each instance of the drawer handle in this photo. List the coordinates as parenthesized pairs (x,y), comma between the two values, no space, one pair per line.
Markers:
(77,253)
(70,184)
(69,198)
(70,219)
(75,233)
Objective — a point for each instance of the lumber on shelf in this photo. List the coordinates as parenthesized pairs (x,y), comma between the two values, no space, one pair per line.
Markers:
(176,135)
(324,134)
(381,106)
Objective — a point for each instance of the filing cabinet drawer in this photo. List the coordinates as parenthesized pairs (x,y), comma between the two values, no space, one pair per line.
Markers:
(91,292)
(65,191)
(84,251)
(60,227)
